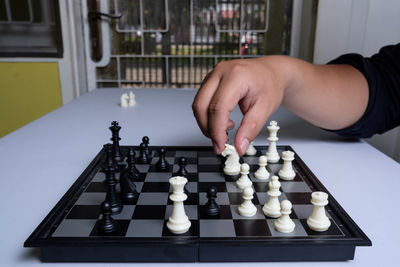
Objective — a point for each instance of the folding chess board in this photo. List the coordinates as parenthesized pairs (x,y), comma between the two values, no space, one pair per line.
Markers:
(71,230)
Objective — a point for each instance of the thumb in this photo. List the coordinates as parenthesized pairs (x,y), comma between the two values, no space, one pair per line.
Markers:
(252,123)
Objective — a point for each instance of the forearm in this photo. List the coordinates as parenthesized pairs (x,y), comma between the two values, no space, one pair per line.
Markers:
(329,96)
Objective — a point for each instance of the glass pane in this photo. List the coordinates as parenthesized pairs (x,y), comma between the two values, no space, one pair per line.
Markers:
(255,12)
(110,72)
(3,13)
(154,14)
(130,10)
(183,55)
(19,10)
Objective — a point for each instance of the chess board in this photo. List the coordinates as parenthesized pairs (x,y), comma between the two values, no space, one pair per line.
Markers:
(71,230)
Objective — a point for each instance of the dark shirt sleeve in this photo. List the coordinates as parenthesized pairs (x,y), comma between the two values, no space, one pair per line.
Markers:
(382,72)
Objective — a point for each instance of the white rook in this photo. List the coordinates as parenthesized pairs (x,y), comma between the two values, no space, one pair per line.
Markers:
(318,221)
(287,172)
(178,222)
(272,153)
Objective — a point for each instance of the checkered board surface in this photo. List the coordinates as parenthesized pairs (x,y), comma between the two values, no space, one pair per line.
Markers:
(144,220)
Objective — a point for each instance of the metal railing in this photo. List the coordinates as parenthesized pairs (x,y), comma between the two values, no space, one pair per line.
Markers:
(192,36)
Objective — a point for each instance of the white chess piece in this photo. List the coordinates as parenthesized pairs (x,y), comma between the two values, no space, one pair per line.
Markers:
(272,153)
(287,172)
(318,221)
(244,180)
(178,222)
(251,150)
(247,207)
(132,101)
(262,172)
(285,224)
(124,100)
(273,208)
(232,164)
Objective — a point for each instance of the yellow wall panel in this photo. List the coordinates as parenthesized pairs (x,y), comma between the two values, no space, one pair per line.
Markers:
(28,90)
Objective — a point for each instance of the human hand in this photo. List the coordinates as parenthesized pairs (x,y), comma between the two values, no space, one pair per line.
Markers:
(256,85)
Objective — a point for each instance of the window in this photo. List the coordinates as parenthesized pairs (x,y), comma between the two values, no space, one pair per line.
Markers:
(30,28)
(175,43)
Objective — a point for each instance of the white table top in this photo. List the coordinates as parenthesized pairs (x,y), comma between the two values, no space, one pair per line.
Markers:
(40,161)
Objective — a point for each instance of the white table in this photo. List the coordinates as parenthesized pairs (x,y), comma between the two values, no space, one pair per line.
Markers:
(40,161)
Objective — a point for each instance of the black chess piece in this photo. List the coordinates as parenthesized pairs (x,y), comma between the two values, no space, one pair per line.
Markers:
(212,208)
(143,157)
(107,223)
(119,159)
(111,183)
(109,157)
(146,141)
(131,160)
(128,187)
(182,167)
(162,165)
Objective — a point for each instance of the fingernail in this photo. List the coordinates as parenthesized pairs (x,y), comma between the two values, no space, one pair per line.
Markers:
(216,150)
(244,145)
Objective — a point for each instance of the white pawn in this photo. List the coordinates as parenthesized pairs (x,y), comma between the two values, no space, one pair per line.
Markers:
(272,153)
(285,224)
(251,150)
(132,101)
(262,172)
(247,207)
(273,208)
(124,100)
(244,180)
(178,222)
(318,221)
(287,172)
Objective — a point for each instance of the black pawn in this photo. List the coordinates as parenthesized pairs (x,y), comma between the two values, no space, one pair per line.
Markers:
(143,158)
(132,164)
(111,183)
(182,167)
(115,128)
(162,165)
(146,141)
(107,223)
(212,208)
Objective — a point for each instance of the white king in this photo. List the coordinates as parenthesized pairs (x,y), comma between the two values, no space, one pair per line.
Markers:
(272,153)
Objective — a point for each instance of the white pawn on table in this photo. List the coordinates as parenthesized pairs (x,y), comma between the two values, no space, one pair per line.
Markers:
(287,173)
(247,208)
(285,224)
(262,172)
(127,100)
(272,152)
(251,150)
(178,222)
(273,208)
(244,180)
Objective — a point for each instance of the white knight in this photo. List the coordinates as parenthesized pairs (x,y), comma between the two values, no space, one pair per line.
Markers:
(232,164)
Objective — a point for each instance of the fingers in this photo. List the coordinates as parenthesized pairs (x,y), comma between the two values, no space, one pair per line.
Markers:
(225,98)
(202,100)
(252,123)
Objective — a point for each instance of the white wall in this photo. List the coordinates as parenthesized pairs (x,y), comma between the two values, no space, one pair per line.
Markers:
(360,26)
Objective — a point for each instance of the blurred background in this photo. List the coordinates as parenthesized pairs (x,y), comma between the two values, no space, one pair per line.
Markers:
(52,52)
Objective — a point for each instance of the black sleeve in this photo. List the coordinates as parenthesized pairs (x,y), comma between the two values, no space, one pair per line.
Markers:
(382,72)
